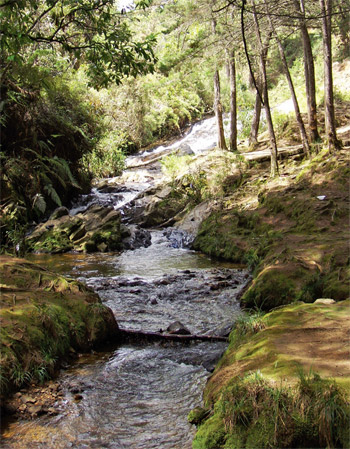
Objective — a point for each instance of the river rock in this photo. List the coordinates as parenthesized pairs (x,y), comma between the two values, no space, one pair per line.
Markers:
(184,150)
(325,301)
(59,212)
(178,328)
(137,238)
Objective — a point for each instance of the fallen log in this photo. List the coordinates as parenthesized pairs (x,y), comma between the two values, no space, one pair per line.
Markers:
(132,335)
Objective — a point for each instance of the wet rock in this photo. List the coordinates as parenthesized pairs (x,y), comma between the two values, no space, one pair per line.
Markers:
(178,328)
(59,212)
(75,388)
(28,399)
(52,411)
(137,238)
(35,409)
(184,150)
(96,229)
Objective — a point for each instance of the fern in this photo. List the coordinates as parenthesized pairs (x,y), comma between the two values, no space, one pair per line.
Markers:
(64,170)
(53,194)
(39,203)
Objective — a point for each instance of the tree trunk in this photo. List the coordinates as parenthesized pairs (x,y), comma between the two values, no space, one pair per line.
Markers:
(326,11)
(254,129)
(233,100)
(298,116)
(309,71)
(217,103)
(273,144)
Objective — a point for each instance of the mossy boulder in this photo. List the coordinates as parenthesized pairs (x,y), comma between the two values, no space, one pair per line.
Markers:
(282,382)
(97,229)
(43,318)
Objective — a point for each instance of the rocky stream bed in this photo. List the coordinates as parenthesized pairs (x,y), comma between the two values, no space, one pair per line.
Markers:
(137,392)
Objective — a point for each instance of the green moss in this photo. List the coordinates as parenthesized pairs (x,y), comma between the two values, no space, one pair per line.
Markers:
(210,435)
(252,413)
(51,242)
(270,289)
(50,316)
(197,415)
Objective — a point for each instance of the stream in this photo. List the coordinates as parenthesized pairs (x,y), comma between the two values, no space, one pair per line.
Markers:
(138,396)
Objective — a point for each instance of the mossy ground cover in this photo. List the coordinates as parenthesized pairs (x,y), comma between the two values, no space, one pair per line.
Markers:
(282,383)
(44,317)
(292,231)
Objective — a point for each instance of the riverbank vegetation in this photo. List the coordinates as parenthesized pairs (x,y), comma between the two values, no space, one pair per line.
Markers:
(45,318)
(265,391)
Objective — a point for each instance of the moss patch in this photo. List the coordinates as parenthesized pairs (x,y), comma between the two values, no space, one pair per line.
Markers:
(43,317)
(259,393)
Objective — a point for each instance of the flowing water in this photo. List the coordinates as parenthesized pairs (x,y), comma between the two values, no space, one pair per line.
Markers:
(138,396)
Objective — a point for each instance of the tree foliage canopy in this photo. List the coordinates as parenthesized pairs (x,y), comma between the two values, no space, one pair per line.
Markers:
(89,31)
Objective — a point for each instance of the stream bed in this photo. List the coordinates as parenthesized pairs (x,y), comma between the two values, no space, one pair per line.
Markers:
(138,396)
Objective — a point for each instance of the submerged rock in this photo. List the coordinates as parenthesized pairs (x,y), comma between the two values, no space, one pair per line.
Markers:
(178,328)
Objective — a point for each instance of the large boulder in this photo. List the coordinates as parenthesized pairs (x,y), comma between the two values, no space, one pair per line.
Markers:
(96,229)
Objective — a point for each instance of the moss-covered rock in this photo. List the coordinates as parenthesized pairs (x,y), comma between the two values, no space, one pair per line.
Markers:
(43,317)
(97,229)
(267,391)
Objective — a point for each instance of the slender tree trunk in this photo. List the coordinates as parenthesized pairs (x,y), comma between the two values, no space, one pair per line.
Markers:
(233,99)
(309,70)
(273,143)
(254,129)
(331,132)
(217,103)
(298,116)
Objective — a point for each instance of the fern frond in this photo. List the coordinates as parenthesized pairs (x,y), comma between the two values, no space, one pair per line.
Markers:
(53,194)
(64,170)
(55,175)
(39,203)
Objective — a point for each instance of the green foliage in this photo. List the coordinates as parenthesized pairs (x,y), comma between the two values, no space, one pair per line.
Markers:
(247,324)
(108,158)
(108,48)
(173,165)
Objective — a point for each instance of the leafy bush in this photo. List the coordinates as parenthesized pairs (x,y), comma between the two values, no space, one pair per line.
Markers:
(109,156)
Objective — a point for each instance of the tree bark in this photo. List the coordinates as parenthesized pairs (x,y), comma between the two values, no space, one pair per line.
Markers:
(254,129)
(273,143)
(233,99)
(304,139)
(217,103)
(331,132)
(309,71)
